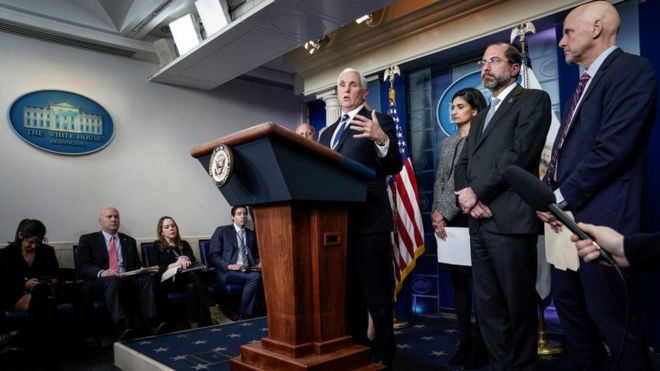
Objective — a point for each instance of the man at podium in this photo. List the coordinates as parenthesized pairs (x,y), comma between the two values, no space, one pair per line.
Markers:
(367,137)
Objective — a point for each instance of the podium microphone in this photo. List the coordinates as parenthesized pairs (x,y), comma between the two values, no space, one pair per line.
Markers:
(540,197)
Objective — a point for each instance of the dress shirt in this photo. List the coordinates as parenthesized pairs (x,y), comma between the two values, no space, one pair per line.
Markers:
(502,95)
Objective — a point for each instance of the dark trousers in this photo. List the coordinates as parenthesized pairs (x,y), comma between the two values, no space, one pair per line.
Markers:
(369,290)
(591,307)
(119,292)
(198,297)
(463,302)
(504,274)
(251,282)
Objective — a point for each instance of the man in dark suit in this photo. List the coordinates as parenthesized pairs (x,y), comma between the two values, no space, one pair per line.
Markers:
(234,253)
(503,228)
(597,172)
(100,258)
(367,137)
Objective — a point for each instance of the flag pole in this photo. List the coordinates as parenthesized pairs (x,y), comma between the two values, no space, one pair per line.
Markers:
(544,347)
(389,75)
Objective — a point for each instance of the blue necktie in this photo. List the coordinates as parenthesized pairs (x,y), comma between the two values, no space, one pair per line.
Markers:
(491,112)
(340,130)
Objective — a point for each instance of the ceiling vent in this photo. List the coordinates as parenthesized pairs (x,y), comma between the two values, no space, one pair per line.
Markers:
(46,35)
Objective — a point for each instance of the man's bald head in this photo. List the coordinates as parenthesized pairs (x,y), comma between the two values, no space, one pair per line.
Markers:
(109,220)
(307,131)
(588,31)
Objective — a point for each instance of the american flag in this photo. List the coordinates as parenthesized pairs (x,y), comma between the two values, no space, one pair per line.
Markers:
(408,236)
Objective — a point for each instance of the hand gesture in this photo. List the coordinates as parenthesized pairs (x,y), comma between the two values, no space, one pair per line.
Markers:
(369,128)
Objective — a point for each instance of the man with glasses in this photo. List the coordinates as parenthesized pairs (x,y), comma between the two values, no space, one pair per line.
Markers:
(235,256)
(503,228)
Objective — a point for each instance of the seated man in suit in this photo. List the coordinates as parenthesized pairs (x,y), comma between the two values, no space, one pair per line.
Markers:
(234,253)
(101,257)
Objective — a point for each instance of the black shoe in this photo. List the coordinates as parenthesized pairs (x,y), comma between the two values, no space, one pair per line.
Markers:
(462,353)
(159,328)
(6,338)
(123,332)
(476,360)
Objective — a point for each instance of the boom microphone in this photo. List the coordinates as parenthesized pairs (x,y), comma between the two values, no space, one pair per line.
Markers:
(540,197)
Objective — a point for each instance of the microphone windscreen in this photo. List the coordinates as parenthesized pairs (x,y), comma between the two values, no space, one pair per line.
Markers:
(529,187)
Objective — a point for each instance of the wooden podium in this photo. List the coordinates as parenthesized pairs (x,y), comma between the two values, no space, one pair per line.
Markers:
(298,189)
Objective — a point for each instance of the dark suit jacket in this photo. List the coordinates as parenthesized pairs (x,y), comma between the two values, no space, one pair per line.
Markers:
(375,216)
(600,169)
(642,250)
(92,254)
(163,258)
(515,136)
(223,248)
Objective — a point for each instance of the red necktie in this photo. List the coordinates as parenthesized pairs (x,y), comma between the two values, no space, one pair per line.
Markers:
(112,253)
(568,120)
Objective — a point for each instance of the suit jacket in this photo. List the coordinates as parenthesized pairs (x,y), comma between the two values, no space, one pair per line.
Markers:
(515,136)
(375,215)
(642,250)
(163,258)
(600,169)
(92,254)
(223,248)
(444,199)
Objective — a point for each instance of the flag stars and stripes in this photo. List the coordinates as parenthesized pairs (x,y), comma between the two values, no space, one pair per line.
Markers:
(145,342)
(161,349)
(200,366)
(450,331)
(219,349)
(216,329)
(179,358)
(199,342)
(403,346)
(427,338)
(438,353)
(234,335)
(407,240)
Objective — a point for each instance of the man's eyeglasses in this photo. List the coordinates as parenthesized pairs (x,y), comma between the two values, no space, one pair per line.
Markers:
(493,62)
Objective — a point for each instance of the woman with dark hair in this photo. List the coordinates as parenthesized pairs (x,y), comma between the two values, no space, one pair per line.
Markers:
(170,251)
(28,275)
(466,103)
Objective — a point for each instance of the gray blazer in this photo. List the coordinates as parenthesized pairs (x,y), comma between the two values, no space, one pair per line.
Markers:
(444,199)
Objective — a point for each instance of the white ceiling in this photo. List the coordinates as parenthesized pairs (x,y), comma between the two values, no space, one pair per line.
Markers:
(267,29)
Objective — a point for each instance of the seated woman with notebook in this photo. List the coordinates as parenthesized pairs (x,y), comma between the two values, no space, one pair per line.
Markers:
(170,251)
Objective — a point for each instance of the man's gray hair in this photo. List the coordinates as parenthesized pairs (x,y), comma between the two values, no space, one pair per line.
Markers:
(363,81)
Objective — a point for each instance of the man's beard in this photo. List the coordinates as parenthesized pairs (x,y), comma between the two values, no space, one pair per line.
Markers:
(497,81)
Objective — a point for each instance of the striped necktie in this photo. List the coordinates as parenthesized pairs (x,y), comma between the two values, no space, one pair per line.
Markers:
(340,130)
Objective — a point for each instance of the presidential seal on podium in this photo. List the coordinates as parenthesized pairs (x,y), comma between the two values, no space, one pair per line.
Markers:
(221,165)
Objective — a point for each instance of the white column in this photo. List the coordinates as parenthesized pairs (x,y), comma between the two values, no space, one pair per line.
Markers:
(332,107)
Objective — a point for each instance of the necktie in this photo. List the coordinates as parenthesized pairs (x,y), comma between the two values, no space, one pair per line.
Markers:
(491,112)
(112,253)
(566,125)
(242,247)
(340,130)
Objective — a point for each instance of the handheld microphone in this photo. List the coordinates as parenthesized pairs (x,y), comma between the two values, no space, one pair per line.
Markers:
(540,197)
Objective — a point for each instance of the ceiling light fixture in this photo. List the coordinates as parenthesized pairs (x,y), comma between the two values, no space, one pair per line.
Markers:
(366,17)
(313,46)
